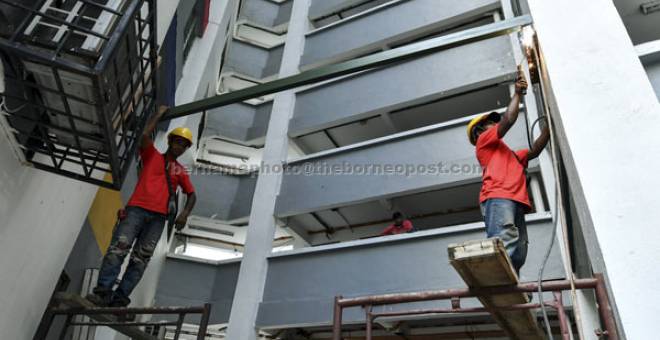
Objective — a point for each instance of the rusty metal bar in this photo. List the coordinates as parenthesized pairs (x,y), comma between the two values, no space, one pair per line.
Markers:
(338,311)
(558,304)
(605,309)
(131,310)
(370,322)
(124,323)
(596,283)
(522,306)
(204,322)
(464,292)
(179,325)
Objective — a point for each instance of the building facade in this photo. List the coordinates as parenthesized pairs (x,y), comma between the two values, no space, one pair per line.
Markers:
(295,188)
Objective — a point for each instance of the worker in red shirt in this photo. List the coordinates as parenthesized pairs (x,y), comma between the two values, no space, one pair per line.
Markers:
(399,226)
(504,199)
(145,215)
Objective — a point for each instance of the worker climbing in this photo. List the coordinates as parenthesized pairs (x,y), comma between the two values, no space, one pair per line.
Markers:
(504,199)
(142,222)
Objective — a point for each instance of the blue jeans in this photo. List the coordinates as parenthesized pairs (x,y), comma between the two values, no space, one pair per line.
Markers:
(506,219)
(141,226)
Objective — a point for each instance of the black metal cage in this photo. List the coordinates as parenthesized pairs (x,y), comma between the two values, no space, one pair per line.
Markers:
(80,83)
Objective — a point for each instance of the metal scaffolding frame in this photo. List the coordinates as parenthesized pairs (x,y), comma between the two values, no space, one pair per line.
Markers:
(117,318)
(367,302)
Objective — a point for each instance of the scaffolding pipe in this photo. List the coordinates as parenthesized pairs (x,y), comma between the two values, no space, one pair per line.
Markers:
(595,283)
(375,60)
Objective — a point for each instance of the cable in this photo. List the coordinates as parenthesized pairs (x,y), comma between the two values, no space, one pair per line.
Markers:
(3,106)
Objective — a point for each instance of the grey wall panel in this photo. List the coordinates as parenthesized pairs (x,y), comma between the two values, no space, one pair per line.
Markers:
(241,122)
(185,283)
(442,74)
(251,60)
(223,197)
(312,184)
(242,204)
(266,13)
(215,194)
(653,70)
(384,26)
(320,8)
(260,124)
(300,288)
(274,61)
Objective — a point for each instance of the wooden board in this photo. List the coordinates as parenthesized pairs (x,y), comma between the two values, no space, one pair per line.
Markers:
(76,301)
(485,263)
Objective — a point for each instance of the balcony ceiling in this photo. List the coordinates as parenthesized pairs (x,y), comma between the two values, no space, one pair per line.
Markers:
(641,27)
(427,210)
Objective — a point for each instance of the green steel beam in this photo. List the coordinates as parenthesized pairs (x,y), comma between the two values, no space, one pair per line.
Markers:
(380,59)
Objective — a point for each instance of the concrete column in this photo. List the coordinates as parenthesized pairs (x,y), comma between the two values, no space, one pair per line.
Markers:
(261,229)
(607,116)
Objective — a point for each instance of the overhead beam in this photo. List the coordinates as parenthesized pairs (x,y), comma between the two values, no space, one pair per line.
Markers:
(385,58)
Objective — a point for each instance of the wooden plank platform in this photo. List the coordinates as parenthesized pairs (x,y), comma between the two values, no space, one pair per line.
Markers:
(485,263)
(77,301)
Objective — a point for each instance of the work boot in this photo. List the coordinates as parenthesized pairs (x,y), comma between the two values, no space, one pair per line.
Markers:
(118,300)
(100,296)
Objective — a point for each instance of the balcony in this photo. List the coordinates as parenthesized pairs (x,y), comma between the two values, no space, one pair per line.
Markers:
(380,26)
(325,12)
(649,54)
(185,283)
(223,197)
(272,14)
(254,61)
(385,168)
(304,282)
(243,123)
(442,75)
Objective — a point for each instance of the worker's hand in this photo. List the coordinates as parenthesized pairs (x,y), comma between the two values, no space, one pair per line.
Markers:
(180,222)
(521,83)
(162,109)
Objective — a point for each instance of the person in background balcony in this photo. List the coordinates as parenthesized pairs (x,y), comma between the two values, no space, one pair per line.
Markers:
(399,226)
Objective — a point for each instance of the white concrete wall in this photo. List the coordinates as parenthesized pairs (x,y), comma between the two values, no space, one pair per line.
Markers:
(607,119)
(166,10)
(40,217)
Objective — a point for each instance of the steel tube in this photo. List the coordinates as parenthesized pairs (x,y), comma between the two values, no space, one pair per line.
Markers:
(561,313)
(179,325)
(124,311)
(370,322)
(464,292)
(124,323)
(605,309)
(380,59)
(336,326)
(523,306)
(204,322)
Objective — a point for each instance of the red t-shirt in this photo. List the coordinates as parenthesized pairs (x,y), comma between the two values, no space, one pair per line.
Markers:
(151,190)
(393,229)
(503,173)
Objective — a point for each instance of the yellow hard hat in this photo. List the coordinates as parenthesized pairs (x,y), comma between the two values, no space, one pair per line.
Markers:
(182,132)
(494,116)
